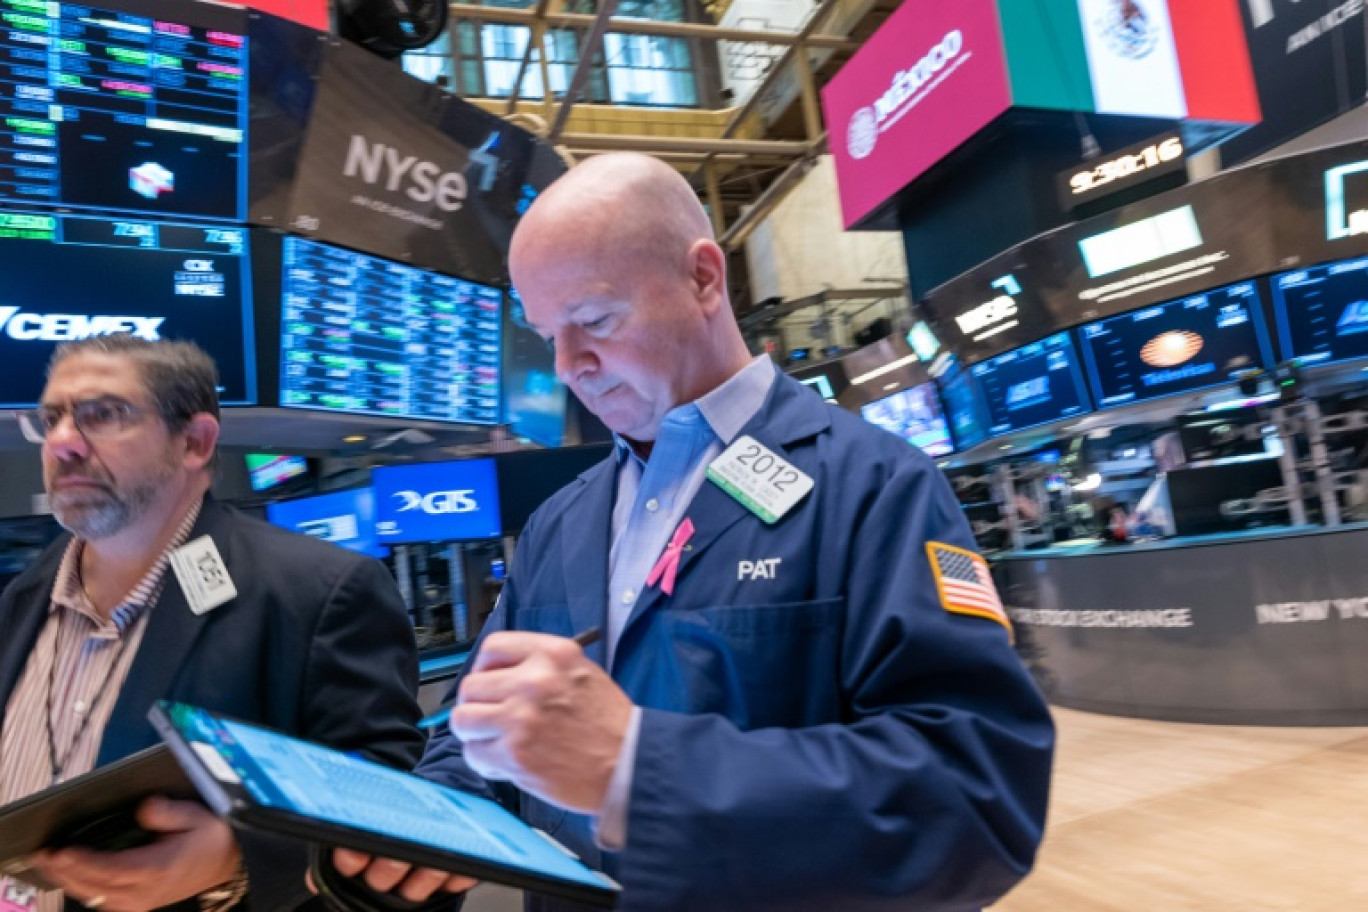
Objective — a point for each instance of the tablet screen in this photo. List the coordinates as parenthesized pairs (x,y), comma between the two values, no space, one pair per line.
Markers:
(292,775)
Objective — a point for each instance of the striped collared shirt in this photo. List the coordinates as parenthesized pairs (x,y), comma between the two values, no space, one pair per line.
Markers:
(56,716)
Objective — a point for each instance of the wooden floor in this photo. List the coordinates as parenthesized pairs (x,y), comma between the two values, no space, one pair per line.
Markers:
(1160,817)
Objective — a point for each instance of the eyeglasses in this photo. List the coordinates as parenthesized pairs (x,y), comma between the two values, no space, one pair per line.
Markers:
(103,416)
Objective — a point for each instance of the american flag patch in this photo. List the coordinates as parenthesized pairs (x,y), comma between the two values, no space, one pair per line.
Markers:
(964,583)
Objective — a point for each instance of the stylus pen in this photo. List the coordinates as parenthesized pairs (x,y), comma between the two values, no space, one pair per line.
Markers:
(584,639)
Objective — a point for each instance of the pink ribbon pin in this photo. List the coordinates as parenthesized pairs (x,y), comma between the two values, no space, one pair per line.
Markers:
(667,568)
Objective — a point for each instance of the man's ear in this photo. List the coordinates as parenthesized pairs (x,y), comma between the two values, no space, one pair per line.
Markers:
(201,440)
(708,272)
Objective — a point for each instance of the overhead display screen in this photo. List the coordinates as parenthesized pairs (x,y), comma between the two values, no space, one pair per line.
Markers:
(65,277)
(133,106)
(914,415)
(404,169)
(346,518)
(1184,345)
(1032,385)
(364,335)
(963,407)
(437,501)
(1322,312)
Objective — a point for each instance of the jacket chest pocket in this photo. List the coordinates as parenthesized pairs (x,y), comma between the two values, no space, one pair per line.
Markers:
(758,665)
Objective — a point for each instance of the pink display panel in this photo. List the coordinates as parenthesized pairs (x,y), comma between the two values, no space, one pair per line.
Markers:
(930,78)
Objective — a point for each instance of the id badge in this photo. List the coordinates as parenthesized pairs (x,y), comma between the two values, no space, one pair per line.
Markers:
(202,574)
(761,480)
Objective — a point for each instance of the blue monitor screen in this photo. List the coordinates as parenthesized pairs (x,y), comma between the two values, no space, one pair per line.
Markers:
(1176,347)
(913,414)
(364,335)
(65,277)
(1322,312)
(125,106)
(346,518)
(968,423)
(1032,385)
(437,501)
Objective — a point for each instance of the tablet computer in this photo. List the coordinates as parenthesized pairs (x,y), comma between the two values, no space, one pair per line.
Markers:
(262,780)
(95,810)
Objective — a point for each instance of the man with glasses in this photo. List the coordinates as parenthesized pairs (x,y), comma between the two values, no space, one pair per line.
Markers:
(160,592)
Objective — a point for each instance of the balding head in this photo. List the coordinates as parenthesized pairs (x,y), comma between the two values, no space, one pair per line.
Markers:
(619,205)
(616,264)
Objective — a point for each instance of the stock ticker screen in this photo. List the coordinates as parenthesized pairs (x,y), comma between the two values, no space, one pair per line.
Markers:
(1322,312)
(1032,385)
(135,106)
(368,336)
(65,277)
(1189,344)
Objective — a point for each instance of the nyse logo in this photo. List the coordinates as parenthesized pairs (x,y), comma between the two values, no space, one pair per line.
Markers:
(426,182)
(994,313)
(32,327)
(438,503)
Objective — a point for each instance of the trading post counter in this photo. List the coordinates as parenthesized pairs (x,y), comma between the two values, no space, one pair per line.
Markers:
(1265,627)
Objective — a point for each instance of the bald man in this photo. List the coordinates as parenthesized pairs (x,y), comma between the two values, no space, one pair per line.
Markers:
(806,696)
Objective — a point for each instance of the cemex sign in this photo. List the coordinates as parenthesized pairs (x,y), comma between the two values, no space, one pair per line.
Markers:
(936,74)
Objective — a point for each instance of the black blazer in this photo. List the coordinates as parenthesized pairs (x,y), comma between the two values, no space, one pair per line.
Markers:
(317,643)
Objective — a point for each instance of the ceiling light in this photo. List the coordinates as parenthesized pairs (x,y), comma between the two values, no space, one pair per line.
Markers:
(354,438)
(880,371)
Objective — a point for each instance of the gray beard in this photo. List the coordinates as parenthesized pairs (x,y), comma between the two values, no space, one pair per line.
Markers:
(107,515)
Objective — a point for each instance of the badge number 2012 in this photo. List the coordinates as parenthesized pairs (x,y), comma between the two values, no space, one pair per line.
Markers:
(764,482)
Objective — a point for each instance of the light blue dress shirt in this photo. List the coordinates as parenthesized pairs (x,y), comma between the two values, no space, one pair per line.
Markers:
(653,496)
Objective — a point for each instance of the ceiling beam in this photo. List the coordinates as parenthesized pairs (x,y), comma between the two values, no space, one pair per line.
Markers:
(588,51)
(526,17)
(607,142)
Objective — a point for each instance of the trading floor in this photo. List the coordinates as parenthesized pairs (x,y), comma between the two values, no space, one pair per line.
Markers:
(1150,816)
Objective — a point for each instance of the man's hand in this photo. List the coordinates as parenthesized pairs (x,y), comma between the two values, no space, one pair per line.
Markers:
(384,876)
(535,711)
(195,852)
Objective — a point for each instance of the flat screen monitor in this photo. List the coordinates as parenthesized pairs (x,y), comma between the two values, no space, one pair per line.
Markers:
(1184,345)
(963,407)
(534,400)
(136,106)
(65,277)
(437,501)
(1033,385)
(346,518)
(1322,312)
(268,470)
(367,336)
(914,414)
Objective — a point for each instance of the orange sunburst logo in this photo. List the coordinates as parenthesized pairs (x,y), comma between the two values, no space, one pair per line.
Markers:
(1169,349)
